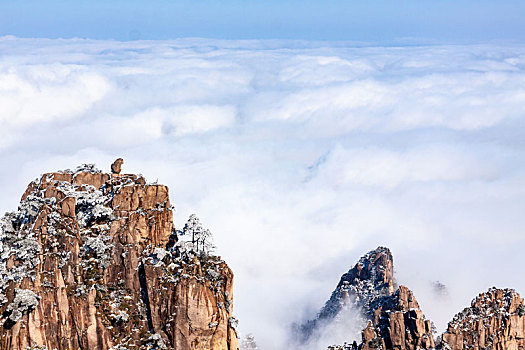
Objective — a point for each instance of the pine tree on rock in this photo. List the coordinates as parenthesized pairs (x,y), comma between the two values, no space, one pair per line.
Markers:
(195,238)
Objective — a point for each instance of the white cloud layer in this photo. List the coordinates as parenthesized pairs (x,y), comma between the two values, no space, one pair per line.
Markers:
(300,157)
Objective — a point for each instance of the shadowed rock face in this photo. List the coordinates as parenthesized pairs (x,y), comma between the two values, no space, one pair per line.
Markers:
(369,279)
(394,318)
(495,320)
(84,265)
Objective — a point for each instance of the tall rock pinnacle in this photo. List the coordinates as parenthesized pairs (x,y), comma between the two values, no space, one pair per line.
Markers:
(90,261)
(392,317)
(369,279)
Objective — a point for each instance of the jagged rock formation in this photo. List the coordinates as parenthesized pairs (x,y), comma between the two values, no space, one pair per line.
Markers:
(371,278)
(495,320)
(398,323)
(395,320)
(90,261)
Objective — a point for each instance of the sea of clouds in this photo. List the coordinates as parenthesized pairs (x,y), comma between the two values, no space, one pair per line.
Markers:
(299,156)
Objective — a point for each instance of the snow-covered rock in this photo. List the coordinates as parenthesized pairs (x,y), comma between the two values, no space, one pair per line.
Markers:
(495,320)
(370,279)
(90,261)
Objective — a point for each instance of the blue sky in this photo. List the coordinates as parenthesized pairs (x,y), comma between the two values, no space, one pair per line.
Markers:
(377,21)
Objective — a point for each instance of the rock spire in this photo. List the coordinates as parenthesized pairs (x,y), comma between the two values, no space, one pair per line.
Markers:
(369,279)
(116,167)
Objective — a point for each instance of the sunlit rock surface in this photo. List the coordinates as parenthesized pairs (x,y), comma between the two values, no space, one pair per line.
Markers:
(90,261)
(495,320)
(398,323)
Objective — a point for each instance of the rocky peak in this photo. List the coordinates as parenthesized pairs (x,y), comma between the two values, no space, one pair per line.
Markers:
(495,320)
(90,260)
(370,279)
(393,319)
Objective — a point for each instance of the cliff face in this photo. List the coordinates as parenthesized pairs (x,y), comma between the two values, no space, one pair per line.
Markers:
(495,320)
(90,261)
(398,323)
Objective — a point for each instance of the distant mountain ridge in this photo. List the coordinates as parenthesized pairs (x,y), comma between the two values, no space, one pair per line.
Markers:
(394,320)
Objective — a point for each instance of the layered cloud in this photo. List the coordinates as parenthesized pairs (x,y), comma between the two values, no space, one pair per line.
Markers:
(300,157)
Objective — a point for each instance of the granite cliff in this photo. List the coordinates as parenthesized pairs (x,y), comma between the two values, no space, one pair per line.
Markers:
(495,320)
(91,260)
(398,323)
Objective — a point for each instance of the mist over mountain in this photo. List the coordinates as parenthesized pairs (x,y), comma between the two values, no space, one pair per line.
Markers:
(389,319)
(299,156)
